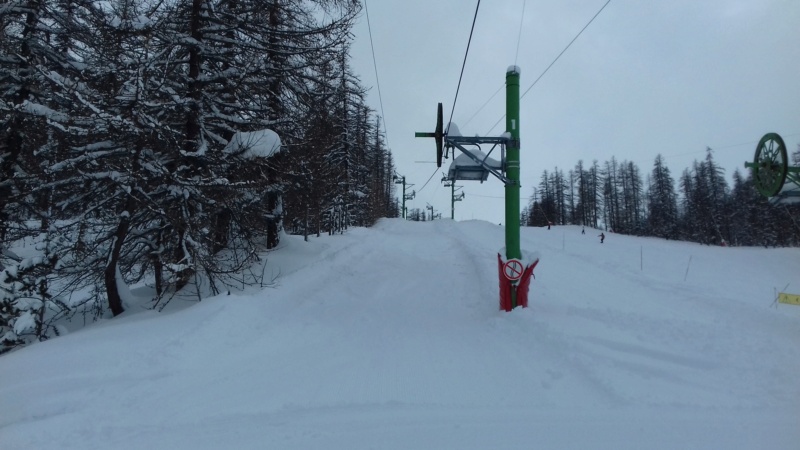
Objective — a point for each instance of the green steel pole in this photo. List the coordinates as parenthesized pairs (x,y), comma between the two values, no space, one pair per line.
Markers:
(403,212)
(512,169)
(453,200)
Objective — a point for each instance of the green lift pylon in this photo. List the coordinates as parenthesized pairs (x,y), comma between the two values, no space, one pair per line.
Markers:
(514,289)
(453,197)
(513,250)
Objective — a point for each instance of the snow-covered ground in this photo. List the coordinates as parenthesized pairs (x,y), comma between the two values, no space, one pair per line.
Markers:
(391,338)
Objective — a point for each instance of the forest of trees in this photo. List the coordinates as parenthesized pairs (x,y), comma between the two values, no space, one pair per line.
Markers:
(123,149)
(127,154)
(701,207)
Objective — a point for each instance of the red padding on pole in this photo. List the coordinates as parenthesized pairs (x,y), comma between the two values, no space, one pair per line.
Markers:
(506,286)
(524,284)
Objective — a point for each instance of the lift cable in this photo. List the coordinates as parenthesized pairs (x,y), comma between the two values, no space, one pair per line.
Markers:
(484,105)
(554,61)
(429,179)
(495,196)
(519,36)
(377,79)
(516,56)
(521,198)
(469,41)
(565,48)
(716,149)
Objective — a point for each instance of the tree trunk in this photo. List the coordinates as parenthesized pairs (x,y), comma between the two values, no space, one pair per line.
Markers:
(221,230)
(112,289)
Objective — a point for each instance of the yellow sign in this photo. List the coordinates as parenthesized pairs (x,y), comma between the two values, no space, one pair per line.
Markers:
(789,299)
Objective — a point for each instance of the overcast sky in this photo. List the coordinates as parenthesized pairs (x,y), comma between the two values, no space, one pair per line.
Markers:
(646,77)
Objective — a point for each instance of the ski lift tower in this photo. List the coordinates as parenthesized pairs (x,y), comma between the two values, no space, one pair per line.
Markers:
(474,165)
(453,197)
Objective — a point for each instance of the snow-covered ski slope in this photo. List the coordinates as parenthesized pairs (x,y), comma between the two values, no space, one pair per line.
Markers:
(391,338)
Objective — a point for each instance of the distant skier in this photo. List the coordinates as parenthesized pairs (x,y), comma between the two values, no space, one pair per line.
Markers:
(583,231)
(602,237)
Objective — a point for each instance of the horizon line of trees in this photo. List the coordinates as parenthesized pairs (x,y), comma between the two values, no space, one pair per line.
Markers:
(701,208)
(123,149)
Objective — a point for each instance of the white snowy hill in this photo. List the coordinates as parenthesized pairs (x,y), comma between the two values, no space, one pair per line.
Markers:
(391,338)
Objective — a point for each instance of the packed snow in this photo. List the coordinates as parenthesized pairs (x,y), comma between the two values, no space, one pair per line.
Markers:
(391,338)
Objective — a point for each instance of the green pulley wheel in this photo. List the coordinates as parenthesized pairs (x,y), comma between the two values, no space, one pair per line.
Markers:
(770,165)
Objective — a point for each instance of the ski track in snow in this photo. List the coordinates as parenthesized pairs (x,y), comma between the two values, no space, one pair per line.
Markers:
(391,337)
